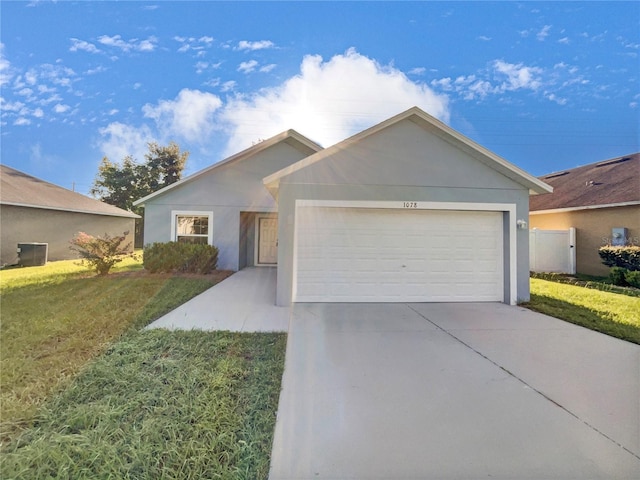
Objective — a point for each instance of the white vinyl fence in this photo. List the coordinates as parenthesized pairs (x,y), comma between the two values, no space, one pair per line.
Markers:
(552,250)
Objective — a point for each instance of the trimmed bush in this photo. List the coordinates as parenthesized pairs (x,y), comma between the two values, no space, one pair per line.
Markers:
(617,276)
(625,257)
(632,278)
(175,257)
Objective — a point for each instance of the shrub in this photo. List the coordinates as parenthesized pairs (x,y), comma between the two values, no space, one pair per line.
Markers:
(632,278)
(101,253)
(625,257)
(617,276)
(172,257)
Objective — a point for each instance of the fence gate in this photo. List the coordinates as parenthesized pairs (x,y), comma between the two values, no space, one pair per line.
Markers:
(552,250)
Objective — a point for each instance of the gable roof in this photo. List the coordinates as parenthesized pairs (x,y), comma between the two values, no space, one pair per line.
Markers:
(434,126)
(608,183)
(290,137)
(23,190)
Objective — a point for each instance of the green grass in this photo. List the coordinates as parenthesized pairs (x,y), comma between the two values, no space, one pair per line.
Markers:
(56,272)
(588,281)
(58,317)
(161,405)
(612,313)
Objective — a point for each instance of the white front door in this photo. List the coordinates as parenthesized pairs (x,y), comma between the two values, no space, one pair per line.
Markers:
(267,241)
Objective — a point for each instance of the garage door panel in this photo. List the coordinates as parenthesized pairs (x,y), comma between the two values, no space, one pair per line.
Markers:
(360,255)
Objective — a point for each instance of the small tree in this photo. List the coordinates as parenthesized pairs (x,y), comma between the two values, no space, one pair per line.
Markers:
(101,253)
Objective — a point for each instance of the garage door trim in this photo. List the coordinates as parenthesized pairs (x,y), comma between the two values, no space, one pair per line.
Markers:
(508,208)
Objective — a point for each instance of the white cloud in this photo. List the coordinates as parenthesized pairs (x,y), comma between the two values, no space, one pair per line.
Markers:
(6,106)
(268,68)
(60,108)
(98,69)
(544,33)
(517,76)
(38,113)
(133,44)
(25,92)
(564,41)
(31,77)
(191,43)
(500,77)
(77,44)
(147,45)
(554,98)
(6,73)
(417,71)
(201,67)
(22,121)
(189,116)
(328,101)
(120,140)
(228,86)
(247,67)
(484,38)
(259,45)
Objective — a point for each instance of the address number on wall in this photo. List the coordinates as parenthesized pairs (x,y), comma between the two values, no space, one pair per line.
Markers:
(409,204)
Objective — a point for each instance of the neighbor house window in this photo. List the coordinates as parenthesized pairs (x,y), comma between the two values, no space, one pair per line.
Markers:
(192,227)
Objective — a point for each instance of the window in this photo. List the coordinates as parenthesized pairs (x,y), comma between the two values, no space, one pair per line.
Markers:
(192,227)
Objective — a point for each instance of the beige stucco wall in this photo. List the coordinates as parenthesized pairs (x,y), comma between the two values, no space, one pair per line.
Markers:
(593,230)
(57,228)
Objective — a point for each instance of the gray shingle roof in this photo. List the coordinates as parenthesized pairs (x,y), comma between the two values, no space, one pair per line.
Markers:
(21,189)
(608,182)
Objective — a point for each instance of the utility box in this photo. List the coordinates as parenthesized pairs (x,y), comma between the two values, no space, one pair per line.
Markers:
(32,254)
(619,236)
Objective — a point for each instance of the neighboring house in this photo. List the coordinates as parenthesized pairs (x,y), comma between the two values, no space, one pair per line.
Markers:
(594,199)
(35,211)
(406,211)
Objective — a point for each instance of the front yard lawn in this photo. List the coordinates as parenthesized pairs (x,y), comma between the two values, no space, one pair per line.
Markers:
(161,405)
(615,314)
(86,394)
(58,317)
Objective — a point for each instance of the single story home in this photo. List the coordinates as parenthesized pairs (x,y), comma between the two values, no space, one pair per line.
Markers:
(35,211)
(408,210)
(600,200)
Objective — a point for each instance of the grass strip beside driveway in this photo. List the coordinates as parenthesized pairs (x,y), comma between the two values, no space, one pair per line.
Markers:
(615,314)
(161,405)
(55,319)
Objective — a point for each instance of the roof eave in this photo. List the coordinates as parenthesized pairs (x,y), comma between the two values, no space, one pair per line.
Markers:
(415,114)
(254,149)
(124,213)
(584,207)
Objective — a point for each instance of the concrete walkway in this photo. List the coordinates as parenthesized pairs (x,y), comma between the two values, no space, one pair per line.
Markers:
(454,391)
(244,302)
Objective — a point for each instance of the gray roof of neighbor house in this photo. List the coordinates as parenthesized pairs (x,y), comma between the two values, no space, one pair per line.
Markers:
(23,190)
(608,183)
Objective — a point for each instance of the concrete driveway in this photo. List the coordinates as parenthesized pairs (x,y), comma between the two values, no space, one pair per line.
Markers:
(454,391)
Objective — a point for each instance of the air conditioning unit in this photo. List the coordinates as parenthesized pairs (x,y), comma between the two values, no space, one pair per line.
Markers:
(32,254)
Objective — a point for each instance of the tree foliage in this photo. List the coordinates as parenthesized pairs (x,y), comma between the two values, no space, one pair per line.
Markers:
(121,184)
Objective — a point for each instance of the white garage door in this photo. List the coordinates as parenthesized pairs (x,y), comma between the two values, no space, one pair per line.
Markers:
(384,255)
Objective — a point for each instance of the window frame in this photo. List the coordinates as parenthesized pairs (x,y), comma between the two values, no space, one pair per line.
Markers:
(191,213)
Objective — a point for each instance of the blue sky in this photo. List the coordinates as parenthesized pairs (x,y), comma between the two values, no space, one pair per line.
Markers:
(546,85)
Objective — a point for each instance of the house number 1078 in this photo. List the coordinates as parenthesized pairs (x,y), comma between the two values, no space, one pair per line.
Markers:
(410,204)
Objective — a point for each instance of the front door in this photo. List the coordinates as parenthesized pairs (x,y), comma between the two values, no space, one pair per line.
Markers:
(267,241)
